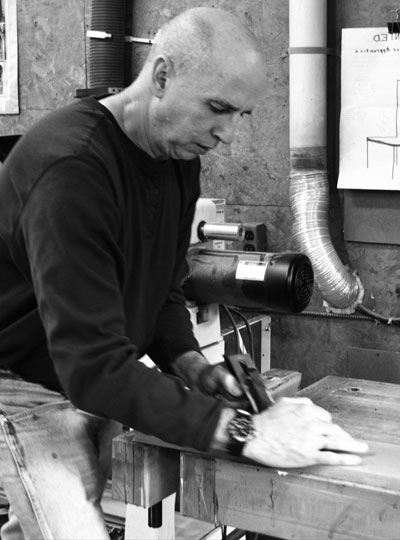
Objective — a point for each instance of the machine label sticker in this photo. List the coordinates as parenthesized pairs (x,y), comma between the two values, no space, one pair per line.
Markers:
(251,270)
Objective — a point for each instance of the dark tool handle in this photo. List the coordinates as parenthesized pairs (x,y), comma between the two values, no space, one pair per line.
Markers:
(155,515)
(257,390)
(244,369)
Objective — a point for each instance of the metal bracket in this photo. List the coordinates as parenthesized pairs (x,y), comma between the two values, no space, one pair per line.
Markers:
(131,39)
(309,50)
(99,34)
(394,26)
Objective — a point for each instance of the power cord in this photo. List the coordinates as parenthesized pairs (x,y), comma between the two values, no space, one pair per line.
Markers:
(234,326)
(395,321)
(239,343)
(248,327)
(365,314)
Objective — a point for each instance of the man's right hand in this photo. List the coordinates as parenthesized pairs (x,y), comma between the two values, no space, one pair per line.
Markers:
(297,433)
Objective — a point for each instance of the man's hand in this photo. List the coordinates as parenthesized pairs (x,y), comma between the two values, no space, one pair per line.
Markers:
(211,379)
(296,433)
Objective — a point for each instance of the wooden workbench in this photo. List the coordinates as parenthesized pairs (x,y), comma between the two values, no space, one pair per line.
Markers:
(318,502)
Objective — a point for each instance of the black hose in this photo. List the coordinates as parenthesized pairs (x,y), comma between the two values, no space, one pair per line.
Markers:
(106,56)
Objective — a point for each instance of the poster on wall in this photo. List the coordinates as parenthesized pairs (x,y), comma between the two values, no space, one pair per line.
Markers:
(9,101)
(370,110)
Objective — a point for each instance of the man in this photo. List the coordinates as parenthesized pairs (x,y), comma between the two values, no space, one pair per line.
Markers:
(96,204)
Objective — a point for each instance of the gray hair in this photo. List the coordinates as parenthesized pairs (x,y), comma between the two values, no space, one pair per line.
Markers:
(190,38)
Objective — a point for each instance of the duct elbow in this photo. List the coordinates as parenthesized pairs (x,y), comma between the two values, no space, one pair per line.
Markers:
(340,287)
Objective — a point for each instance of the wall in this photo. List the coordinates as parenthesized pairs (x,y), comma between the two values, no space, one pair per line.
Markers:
(253,173)
(52,65)
(320,346)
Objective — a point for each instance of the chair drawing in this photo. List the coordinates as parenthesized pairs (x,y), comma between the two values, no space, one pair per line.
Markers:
(393,141)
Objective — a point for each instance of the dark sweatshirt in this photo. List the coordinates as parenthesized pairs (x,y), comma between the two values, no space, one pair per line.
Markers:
(93,238)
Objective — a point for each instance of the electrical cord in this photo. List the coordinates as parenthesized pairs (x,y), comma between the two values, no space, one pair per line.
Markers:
(234,326)
(395,321)
(365,314)
(229,310)
(249,330)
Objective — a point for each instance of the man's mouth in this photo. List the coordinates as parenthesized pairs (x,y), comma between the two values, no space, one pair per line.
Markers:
(203,149)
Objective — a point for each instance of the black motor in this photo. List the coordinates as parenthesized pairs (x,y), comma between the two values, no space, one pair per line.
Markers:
(280,282)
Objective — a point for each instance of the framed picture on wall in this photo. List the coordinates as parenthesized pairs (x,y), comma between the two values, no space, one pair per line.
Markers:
(9,100)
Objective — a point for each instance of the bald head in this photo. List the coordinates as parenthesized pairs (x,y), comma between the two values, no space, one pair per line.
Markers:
(199,37)
(204,73)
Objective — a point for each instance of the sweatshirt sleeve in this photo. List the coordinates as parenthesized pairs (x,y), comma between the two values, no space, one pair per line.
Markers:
(68,232)
(174,332)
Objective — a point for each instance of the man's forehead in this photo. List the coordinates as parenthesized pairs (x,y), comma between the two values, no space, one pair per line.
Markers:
(233,92)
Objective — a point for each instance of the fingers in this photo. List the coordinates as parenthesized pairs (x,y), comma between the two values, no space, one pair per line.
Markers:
(344,444)
(295,432)
(333,458)
(216,378)
(230,384)
(332,439)
(337,447)
(335,431)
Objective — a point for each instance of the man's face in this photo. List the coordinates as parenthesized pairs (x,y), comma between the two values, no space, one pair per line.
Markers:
(197,113)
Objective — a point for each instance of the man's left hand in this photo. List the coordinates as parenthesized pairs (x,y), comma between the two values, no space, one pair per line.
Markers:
(213,379)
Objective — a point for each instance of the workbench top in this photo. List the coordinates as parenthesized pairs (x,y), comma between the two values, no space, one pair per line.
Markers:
(317,502)
(370,411)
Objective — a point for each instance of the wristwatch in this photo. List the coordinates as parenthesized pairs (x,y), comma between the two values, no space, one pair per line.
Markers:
(240,430)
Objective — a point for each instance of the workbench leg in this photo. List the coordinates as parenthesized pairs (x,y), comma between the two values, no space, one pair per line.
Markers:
(136,522)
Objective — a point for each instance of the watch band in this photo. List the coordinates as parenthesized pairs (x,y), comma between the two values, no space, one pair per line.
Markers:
(240,430)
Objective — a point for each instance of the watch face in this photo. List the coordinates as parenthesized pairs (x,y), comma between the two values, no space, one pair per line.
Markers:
(241,428)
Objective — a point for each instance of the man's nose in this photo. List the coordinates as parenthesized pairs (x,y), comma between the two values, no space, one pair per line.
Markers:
(226,128)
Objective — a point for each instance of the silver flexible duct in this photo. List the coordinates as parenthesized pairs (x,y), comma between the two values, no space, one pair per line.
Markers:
(309,192)
(309,198)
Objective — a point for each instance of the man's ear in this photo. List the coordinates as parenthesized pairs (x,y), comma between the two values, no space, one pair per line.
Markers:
(162,72)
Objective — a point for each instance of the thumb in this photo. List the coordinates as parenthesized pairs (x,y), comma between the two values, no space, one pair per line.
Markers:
(216,377)
(230,384)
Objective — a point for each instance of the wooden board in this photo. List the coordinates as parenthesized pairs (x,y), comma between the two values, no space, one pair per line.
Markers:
(372,216)
(302,506)
(145,469)
(317,502)
(143,474)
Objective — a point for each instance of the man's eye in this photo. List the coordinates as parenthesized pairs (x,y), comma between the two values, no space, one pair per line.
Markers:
(217,107)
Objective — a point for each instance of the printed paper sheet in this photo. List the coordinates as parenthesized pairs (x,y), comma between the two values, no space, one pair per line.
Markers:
(9,102)
(370,110)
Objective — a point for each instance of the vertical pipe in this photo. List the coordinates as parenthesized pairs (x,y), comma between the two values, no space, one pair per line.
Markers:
(307,92)
(309,189)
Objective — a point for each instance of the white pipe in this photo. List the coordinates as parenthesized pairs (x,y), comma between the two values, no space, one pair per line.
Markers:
(307,92)
(309,189)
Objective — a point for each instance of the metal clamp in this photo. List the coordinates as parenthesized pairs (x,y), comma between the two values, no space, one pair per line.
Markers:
(98,34)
